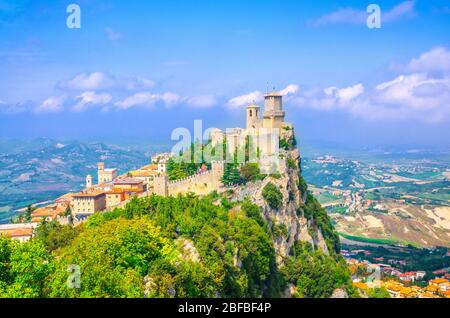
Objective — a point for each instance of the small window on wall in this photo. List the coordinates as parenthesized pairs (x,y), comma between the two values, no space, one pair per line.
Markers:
(250,113)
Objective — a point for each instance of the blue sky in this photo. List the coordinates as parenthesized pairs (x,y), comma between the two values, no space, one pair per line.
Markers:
(138,69)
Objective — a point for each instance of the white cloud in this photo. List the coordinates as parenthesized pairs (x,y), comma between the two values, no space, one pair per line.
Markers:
(435,60)
(86,81)
(349,93)
(147,99)
(257,97)
(91,98)
(340,97)
(202,101)
(243,100)
(52,104)
(415,91)
(290,89)
(423,95)
(414,96)
(100,81)
(403,10)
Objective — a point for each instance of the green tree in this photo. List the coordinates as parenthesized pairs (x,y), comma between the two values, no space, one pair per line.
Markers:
(28,213)
(250,172)
(231,175)
(113,258)
(55,235)
(273,196)
(378,293)
(30,264)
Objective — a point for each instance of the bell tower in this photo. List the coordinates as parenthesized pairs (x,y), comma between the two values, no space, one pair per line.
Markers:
(88,182)
(253,119)
(100,172)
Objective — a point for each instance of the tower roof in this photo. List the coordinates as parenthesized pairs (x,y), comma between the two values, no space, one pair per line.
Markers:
(253,106)
(273,94)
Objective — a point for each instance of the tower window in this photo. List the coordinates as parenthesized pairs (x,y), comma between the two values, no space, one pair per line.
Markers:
(250,113)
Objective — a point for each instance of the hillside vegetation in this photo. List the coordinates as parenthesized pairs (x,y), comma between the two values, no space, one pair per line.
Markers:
(186,246)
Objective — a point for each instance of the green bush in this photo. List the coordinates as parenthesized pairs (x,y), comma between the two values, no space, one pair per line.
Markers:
(250,172)
(273,196)
(291,163)
(315,274)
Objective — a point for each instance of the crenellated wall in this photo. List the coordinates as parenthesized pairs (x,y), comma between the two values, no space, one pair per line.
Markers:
(201,183)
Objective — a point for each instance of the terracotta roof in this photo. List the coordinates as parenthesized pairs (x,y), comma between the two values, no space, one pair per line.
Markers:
(17,232)
(116,191)
(89,194)
(360,285)
(152,166)
(49,210)
(67,196)
(144,173)
(128,181)
(273,94)
(431,288)
(439,281)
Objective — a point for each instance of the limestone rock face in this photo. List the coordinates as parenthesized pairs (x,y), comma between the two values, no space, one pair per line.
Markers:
(188,250)
(339,293)
(290,216)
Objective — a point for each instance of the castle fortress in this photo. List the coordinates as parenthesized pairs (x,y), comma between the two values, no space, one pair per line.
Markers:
(264,132)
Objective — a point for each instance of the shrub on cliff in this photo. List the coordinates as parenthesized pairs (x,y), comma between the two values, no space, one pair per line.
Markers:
(273,196)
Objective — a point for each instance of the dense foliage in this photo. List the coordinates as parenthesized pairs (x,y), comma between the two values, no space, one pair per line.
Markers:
(158,247)
(231,175)
(315,212)
(250,172)
(273,196)
(315,274)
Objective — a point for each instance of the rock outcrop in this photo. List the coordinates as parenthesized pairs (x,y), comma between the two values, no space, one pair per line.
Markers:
(290,216)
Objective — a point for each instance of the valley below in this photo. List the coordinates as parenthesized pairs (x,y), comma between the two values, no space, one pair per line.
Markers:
(385,198)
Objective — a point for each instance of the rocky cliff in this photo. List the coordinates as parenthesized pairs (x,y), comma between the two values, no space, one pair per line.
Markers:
(290,223)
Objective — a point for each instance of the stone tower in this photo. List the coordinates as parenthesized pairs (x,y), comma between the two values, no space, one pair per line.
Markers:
(88,182)
(160,185)
(273,110)
(218,168)
(100,172)
(253,120)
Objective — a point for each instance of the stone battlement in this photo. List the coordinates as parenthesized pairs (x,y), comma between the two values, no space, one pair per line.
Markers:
(192,177)
(199,183)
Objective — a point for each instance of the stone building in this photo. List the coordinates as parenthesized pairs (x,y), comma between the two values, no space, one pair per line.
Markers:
(88,202)
(105,175)
(264,130)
